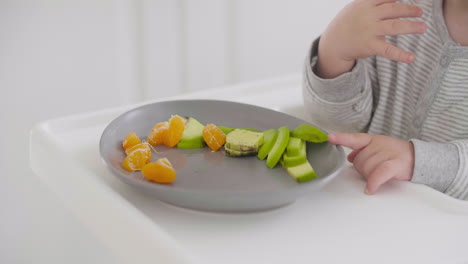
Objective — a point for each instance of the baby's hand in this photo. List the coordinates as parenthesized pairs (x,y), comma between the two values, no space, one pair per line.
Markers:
(359,31)
(378,158)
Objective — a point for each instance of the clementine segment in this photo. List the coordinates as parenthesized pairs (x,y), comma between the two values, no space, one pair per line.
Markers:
(175,131)
(130,140)
(158,133)
(137,157)
(142,146)
(214,137)
(160,171)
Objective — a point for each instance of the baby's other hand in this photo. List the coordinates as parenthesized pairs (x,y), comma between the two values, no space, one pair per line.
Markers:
(378,158)
(359,31)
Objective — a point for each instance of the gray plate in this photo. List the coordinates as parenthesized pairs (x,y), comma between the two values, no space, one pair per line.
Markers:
(211,181)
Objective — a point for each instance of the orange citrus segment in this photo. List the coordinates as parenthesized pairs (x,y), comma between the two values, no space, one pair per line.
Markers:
(214,137)
(160,171)
(137,157)
(142,146)
(130,140)
(158,133)
(175,131)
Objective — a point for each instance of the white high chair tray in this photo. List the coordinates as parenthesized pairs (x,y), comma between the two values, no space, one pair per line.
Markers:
(402,223)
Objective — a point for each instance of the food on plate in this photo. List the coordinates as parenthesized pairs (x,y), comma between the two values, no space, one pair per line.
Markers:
(295,161)
(294,146)
(228,130)
(269,139)
(214,137)
(249,129)
(274,145)
(225,129)
(295,153)
(137,157)
(302,173)
(175,130)
(158,133)
(238,153)
(309,133)
(192,136)
(130,140)
(241,142)
(160,171)
(279,147)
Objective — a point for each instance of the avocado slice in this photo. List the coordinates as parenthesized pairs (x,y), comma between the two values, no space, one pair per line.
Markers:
(302,173)
(193,135)
(269,139)
(279,147)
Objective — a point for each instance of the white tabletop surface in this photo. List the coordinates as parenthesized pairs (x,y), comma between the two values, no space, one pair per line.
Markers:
(402,223)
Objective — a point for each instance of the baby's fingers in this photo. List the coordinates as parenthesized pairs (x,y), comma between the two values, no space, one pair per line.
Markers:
(398,10)
(382,174)
(395,27)
(353,155)
(387,50)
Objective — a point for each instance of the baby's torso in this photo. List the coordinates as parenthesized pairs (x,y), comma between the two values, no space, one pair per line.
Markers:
(428,99)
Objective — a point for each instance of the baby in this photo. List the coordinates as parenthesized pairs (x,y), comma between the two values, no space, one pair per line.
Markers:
(399,72)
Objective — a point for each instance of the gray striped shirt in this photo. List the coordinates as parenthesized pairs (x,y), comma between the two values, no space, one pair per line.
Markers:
(425,102)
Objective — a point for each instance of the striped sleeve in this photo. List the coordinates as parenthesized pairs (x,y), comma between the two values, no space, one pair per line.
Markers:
(435,164)
(342,104)
(459,186)
(442,166)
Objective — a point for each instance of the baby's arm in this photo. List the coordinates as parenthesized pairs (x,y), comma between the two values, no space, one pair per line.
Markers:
(442,166)
(338,84)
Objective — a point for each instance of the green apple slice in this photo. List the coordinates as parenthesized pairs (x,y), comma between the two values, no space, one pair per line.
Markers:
(269,139)
(193,135)
(291,161)
(302,173)
(309,133)
(279,147)
(225,129)
(294,146)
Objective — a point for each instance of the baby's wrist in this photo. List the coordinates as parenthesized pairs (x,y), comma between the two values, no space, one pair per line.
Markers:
(331,63)
(330,66)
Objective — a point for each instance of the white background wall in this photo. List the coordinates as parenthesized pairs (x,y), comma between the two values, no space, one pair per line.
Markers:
(59,57)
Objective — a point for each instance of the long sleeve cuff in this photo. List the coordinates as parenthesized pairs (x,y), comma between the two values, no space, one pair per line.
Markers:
(435,164)
(340,89)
